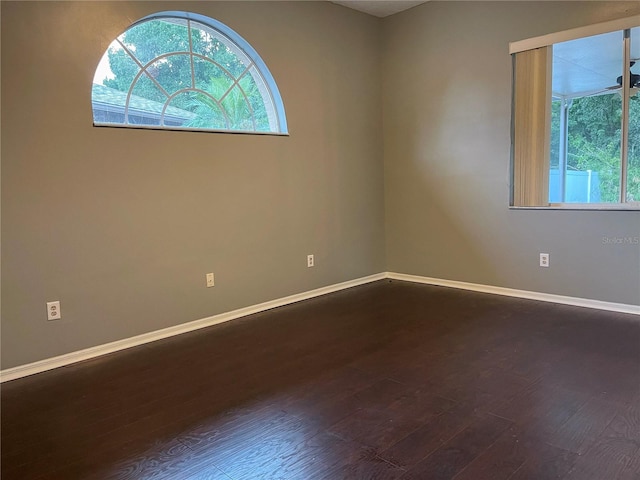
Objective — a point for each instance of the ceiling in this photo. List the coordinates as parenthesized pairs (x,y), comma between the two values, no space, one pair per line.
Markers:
(592,64)
(380,8)
(580,67)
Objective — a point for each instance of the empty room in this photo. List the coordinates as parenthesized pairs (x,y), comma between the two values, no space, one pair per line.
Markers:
(320,240)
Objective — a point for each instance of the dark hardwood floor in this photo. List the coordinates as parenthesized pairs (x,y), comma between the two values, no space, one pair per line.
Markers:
(389,380)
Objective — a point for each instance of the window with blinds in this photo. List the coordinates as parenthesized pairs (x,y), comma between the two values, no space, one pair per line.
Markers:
(576,118)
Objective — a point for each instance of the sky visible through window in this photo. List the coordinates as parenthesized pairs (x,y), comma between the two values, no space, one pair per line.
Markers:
(586,120)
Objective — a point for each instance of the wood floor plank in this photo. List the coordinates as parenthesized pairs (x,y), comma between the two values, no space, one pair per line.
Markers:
(388,418)
(542,409)
(151,465)
(361,464)
(312,458)
(423,441)
(632,470)
(626,424)
(515,455)
(329,411)
(609,458)
(212,473)
(403,417)
(253,454)
(385,380)
(452,457)
(615,452)
(500,461)
(547,464)
(584,427)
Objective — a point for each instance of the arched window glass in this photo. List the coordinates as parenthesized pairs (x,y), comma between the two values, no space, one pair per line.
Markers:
(184,71)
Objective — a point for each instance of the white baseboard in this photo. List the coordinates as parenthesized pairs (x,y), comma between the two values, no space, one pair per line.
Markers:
(78,356)
(510,292)
(73,357)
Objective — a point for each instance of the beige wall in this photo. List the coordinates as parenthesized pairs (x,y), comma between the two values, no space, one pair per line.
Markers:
(446,109)
(122,225)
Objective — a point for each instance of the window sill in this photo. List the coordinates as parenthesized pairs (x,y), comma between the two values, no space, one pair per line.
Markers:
(185,129)
(633,207)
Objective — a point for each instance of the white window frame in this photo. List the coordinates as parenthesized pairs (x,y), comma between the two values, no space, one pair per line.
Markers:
(548,40)
(267,85)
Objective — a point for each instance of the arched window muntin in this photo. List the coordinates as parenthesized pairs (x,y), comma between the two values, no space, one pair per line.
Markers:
(170,96)
(254,70)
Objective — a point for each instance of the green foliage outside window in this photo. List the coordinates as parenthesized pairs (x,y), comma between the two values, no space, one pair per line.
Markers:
(196,70)
(594,142)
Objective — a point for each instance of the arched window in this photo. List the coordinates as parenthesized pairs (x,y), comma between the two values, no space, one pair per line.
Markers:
(184,71)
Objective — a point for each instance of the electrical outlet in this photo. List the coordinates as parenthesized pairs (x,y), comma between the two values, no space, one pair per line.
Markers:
(210,280)
(53,310)
(310,261)
(544,259)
